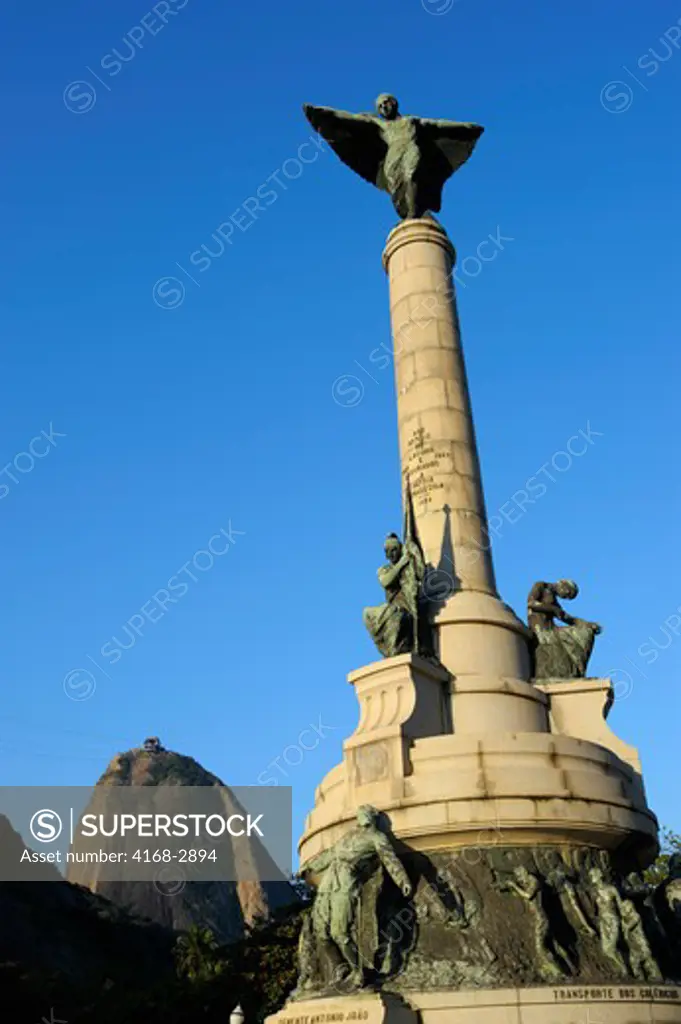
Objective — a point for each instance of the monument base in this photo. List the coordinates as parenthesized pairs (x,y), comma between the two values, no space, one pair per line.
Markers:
(592,1004)
(359,1008)
(444,789)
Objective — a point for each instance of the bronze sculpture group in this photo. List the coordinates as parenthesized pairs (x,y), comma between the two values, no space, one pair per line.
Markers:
(577,907)
(329,945)
(561,644)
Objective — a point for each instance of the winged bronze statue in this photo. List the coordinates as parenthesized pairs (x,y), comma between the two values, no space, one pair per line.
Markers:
(409,157)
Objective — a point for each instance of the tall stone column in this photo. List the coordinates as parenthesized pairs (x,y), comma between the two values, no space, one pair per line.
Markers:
(480,640)
(437,436)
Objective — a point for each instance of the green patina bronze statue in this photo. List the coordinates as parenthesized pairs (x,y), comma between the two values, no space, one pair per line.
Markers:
(393,625)
(560,652)
(552,960)
(401,625)
(329,951)
(408,157)
(621,930)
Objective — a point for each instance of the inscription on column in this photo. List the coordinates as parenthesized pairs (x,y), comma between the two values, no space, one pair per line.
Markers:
(424,465)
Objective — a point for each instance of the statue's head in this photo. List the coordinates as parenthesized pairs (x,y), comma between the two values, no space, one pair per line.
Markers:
(393,548)
(386,107)
(551,860)
(596,876)
(367,815)
(567,589)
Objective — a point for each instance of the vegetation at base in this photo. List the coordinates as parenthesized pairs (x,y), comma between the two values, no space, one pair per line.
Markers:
(258,972)
(670,842)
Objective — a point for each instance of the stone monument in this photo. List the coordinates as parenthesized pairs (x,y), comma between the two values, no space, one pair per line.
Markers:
(478,851)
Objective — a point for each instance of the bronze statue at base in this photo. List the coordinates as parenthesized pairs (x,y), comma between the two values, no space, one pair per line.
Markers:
(560,652)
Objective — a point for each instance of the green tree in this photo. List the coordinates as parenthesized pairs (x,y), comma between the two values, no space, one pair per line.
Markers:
(198,955)
(270,961)
(670,842)
(302,889)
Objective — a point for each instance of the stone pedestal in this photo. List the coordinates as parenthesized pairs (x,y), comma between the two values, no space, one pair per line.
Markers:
(588,1004)
(360,1008)
(579,707)
(451,792)
(592,1004)
(401,700)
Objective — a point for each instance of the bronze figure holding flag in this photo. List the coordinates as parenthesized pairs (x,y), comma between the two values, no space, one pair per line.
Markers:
(401,625)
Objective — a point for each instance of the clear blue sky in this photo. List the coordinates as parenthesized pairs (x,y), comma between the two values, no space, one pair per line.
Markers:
(180,421)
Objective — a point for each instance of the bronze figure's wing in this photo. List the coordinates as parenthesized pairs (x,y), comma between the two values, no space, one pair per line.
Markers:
(445,146)
(455,140)
(356,138)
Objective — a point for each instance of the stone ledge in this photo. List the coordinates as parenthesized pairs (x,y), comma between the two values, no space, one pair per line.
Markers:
(480,606)
(580,707)
(386,665)
(358,1008)
(568,1004)
(555,788)
(418,230)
